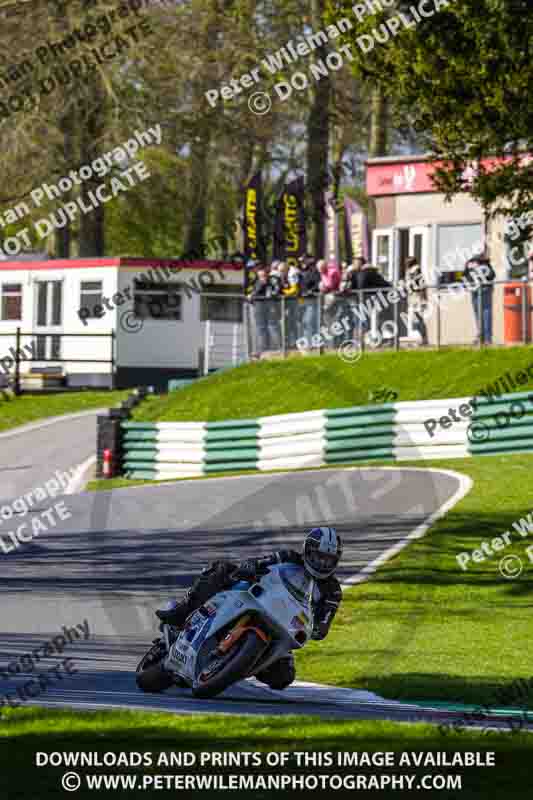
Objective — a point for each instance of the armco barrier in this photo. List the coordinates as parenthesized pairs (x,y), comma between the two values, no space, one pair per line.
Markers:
(503,425)
(394,431)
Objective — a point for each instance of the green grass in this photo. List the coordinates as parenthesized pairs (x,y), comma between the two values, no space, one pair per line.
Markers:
(15,411)
(304,384)
(424,629)
(29,731)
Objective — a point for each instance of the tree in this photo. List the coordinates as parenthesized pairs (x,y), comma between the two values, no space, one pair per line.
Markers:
(207,154)
(65,121)
(377,144)
(461,78)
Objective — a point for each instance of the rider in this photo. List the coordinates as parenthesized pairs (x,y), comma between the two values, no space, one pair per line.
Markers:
(322,551)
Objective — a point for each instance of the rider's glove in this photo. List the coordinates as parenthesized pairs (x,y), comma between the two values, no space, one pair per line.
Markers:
(250,570)
(246,571)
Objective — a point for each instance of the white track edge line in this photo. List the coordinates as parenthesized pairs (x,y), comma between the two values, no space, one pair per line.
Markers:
(33,426)
(79,479)
(465,485)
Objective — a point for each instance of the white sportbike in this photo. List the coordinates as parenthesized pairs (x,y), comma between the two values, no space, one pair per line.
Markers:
(236,634)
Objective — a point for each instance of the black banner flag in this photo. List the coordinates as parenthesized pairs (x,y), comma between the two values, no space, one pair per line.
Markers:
(290,229)
(253,225)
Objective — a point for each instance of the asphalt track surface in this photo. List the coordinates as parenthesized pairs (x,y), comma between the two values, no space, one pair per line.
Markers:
(122,553)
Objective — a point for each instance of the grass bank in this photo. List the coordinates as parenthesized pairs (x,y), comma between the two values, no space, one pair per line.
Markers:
(304,384)
(15,411)
(424,629)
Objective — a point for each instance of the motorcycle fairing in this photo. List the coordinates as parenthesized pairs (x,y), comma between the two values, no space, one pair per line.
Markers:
(284,605)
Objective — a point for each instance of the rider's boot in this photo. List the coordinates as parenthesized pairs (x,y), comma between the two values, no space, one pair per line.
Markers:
(211,580)
(280,674)
(175,613)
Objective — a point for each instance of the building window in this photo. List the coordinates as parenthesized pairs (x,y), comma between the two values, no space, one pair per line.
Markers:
(57,302)
(383,249)
(456,244)
(221,309)
(90,296)
(157,300)
(11,308)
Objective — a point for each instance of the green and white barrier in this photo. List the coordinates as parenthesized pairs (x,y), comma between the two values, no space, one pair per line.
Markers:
(403,431)
(503,425)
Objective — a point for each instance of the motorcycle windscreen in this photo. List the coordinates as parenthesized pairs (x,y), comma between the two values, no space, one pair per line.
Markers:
(297,583)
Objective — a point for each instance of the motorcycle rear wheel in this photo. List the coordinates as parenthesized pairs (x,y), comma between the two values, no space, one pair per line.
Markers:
(240,661)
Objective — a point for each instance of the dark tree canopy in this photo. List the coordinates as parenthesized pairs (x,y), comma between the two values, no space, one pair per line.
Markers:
(461,78)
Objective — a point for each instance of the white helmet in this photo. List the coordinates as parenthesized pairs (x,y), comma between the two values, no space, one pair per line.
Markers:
(322,552)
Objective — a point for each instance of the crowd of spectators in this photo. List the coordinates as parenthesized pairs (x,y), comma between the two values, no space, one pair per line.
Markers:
(316,294)
(320,296)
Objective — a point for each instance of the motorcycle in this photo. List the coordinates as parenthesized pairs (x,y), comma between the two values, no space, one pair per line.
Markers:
(235,635)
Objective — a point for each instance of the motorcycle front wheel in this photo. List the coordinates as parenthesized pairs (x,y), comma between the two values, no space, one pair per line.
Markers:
(230,668)
(150,675)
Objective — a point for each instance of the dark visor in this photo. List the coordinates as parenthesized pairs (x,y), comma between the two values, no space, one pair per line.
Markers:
(323,560)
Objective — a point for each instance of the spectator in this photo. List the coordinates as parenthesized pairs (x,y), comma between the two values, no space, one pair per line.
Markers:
(480,274)
(293,309)
(416,297)
(250,275)
(370,278)
(342,308)
(309,287)
(330,278)
(529,276)
(349,287)
(262,298)
(368,283)
(275,281)
(291,290)
(350,274)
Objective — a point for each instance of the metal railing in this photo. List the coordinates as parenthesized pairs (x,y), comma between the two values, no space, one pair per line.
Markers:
(224,344)
(17,356)
(499,313)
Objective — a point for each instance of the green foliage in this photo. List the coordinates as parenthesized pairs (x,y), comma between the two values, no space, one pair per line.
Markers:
(461,78)
(150,220)
(207,153)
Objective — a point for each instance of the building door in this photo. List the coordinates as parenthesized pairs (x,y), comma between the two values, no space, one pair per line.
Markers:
(418,247)
(48,319)
(383,247)
(401,251)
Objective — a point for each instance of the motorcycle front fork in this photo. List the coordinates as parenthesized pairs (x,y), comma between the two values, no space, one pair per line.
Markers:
(166,637)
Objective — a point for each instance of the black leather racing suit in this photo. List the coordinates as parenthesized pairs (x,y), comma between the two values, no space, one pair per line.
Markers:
(221,575)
